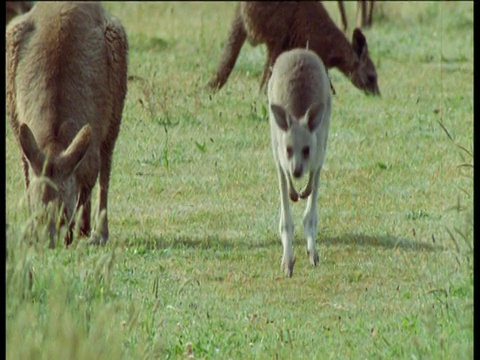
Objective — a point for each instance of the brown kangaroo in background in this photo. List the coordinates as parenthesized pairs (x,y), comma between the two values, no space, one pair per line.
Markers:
(287,25)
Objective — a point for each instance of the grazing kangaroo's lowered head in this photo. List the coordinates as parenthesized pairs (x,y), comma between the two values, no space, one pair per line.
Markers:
(364,73)
(53,169)
(300,102)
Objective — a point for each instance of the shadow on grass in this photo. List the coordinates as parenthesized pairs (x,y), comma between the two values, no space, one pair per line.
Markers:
(385,241)
(220,243)
(155,44)
(185,242)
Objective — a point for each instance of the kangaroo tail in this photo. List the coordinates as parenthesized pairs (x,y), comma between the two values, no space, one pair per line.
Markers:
(236,37)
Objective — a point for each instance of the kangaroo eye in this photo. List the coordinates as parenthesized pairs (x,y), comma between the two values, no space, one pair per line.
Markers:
(306,152)
(289,152)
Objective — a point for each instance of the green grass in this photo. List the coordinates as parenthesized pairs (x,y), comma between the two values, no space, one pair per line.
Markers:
(193,260)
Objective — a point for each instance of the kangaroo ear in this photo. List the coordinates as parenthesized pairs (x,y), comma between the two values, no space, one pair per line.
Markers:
(30,149)
(359,42)
(71,157)
(314,115)
(280,116)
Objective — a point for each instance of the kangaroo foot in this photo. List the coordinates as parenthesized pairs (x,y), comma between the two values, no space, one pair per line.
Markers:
(287,266)
(313,257)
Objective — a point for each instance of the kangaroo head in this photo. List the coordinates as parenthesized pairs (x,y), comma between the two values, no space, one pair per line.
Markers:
(364,76)
(53,185)
(297,140)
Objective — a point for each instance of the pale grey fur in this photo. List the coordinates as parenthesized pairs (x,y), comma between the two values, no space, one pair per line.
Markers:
(300,103)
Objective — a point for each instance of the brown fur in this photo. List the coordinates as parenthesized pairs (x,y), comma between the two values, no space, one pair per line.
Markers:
(66,81)
(15,8)
(287,25)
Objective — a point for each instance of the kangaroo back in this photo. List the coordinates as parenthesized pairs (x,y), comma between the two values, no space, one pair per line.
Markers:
(299,79)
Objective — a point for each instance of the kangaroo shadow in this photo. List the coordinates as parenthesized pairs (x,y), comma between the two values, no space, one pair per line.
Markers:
(217,242)
(209,242)
(385,241)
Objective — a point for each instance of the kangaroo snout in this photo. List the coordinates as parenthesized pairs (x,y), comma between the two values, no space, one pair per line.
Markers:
(375,91)
(298,172)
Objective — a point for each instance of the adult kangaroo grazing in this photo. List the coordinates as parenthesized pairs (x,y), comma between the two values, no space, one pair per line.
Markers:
(300,104)
(66,81)
(287,25)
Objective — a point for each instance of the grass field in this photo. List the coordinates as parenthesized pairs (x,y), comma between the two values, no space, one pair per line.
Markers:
(192,266)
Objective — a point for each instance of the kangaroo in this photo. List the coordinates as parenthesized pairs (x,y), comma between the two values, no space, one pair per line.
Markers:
(364,14)
(66,81)
(287,25)
(300,105)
